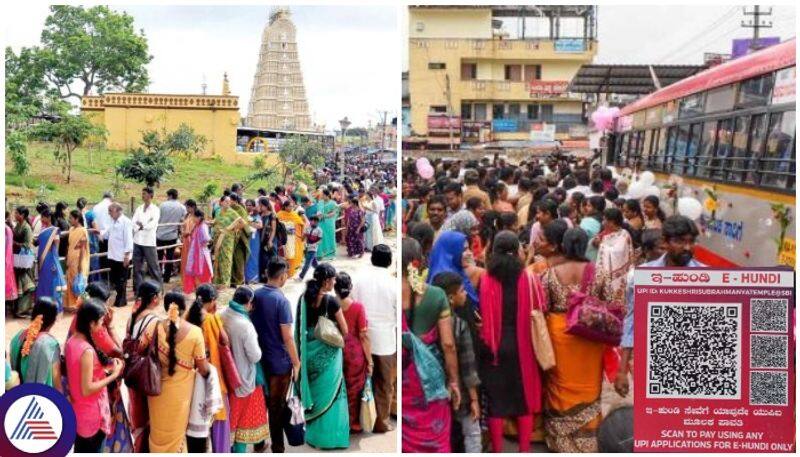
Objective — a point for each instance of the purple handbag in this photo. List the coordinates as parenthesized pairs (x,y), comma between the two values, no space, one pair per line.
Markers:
(594,319)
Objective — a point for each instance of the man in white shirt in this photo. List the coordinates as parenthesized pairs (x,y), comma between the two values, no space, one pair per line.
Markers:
(145,223)
(376,290)
(119,238)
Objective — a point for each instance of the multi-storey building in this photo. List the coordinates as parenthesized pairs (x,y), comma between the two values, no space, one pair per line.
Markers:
(278,98)
(495,73)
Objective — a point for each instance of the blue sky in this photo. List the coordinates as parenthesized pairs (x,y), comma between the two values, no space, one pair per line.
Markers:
(349,54)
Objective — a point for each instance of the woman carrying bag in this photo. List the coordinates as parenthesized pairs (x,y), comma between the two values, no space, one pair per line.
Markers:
(322,386)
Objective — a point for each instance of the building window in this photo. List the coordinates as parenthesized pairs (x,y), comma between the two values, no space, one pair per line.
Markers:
(777,164)
(498,111)
(436,66)
(480,111)
(438,109)
(533,111)
(533,72)
(513,110)
(513,73)
(466,111)
(755,91)
(469,71)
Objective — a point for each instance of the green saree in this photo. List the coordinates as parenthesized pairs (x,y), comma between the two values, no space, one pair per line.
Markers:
(241,247)
(36,367)
(322,389)
(328,212)
(226,246)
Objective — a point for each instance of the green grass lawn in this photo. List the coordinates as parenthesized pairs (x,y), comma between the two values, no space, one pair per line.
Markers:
(90,179)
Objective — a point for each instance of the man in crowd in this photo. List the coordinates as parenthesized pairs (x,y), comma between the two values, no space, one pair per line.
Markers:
(272,319)
(118,235)
(471,180)
(436,212)
(145,221)
(172,213)
(453,194)
(376,290)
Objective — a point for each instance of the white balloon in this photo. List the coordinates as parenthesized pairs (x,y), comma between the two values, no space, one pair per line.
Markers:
(636,190)
(690,207)
(652,190)
(647,177)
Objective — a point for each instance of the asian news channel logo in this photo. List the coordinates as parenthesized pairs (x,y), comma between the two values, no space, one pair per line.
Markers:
(37,420)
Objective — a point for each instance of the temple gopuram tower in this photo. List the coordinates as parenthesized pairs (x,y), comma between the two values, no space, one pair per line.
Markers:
(278,97)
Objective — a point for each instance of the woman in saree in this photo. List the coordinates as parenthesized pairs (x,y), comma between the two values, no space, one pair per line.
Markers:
(391,211)
(94,245)
(572,388)
(203,313)
(429,352)
(294,223)
(23,246)
(181,351)
(328,212)
(11,280)
(322,385)
(357,350)
(354,221)
(77,257)
(248,410)
(241,247)
(187,227)
(374,233)
(615,254)
(34,353)
(228,224)
(251,268)
(509,373)
(198,268)
(51,276)
(143,316)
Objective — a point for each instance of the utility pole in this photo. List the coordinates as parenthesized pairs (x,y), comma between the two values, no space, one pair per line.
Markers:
(756,24)
(449,109)
(383,130)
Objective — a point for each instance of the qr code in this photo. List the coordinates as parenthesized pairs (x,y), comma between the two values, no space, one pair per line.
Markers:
(769,315)
(694,350)
(769,388)
(769,351)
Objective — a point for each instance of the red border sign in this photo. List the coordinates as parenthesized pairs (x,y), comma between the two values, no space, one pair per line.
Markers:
(714,360)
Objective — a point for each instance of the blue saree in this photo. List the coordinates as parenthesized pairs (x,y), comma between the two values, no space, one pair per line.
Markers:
(51,275)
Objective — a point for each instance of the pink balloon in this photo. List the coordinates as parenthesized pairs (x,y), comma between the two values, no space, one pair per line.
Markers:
(426,172)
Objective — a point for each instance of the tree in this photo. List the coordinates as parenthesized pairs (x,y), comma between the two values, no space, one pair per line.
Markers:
(96,47)
(298,153)
(152,162)
(67,133)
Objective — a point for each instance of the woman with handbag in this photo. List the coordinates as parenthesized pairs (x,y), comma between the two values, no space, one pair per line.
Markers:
(429,355)
(51,282)
(34,352)
(181,350)
(357,352)
(197,266)
(509,373)
(88,375)
(77,260)
(143,317)
(23,263)
(573,387)
(203,313)
(319,336)
(354,223)
(248,409)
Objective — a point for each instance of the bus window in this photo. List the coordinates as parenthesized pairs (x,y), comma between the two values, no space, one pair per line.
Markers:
(636,149)
(691,105)
(723,151)
(661,147)
(691,151)
(755,91)
(705,159)
(758,133)
(670,150)
(653,149)
(681,143)
(777,160)
(623,150)
(737,164)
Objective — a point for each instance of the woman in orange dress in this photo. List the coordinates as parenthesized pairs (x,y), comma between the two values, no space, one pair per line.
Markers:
(77,257)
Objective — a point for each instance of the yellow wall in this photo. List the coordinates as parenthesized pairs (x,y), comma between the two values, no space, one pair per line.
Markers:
(126,116)
(450,23)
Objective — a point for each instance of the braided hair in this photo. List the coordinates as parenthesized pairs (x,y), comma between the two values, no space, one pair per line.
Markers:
(92,310)
(205,293)
(148,290)
(174,303)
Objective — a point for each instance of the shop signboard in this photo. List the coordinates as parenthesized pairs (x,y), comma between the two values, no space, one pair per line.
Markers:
(570,45)
(714,366)
(539,88)
(742,46)
(541,131)
(785,87)
(504,125)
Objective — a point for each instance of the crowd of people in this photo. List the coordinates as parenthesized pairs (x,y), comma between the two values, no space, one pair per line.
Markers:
(227,369)
(495,259)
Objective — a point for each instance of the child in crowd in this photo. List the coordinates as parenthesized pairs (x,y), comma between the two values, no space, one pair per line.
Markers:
(312,235)
(469,411)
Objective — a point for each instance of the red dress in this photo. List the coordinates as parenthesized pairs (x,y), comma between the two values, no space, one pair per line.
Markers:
(355,361)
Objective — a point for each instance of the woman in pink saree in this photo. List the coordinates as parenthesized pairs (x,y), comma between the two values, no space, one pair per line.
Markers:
(428,352)
(198,268)
(11,280)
